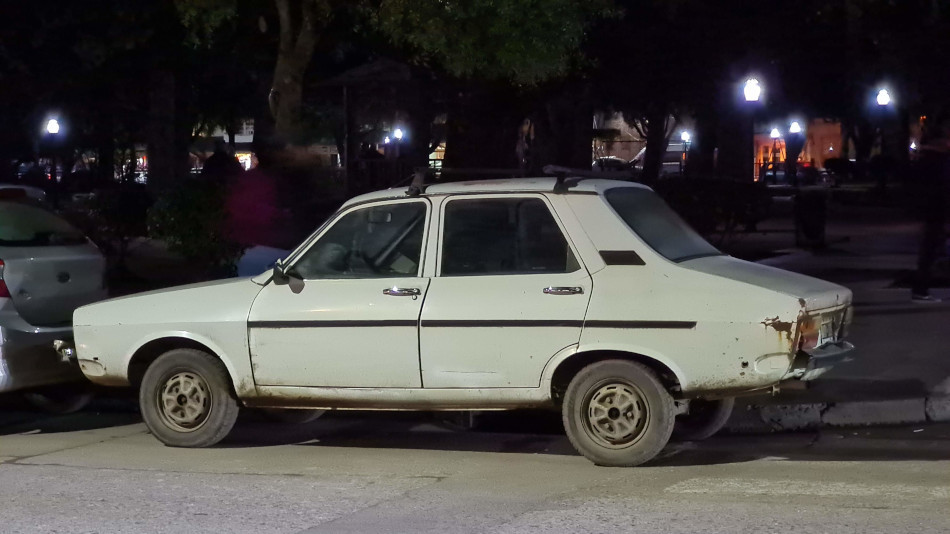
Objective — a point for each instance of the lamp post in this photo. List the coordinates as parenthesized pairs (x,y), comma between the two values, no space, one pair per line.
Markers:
(775,135)
(52,131)
(686,138)
(752,93)
(793,147)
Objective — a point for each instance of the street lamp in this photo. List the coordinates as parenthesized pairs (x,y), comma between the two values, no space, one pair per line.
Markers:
(752,90)
(397,133)
(883,98)
(795,128)
(52,126)
(386,140)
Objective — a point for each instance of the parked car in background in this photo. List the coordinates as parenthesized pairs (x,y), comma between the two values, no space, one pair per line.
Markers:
(14,191)
(671,165)
(47,270)
(591,297)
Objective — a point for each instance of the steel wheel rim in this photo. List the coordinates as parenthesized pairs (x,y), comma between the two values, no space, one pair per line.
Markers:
(616,414)
(185,401)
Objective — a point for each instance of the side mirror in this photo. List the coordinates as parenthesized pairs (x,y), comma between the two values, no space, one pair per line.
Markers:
(281,278)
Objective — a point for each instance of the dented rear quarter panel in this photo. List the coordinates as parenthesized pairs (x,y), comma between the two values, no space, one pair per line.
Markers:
(213,314)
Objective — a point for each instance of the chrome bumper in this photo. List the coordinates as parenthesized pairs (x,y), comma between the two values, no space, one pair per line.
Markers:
(28,358)
(816,362)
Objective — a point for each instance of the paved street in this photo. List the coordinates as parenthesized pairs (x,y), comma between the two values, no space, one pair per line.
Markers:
(100,471)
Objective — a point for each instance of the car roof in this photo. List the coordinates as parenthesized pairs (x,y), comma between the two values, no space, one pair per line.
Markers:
(507,185)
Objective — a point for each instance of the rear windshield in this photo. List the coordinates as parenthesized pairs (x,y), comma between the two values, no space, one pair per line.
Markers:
(22,225)
(653,220)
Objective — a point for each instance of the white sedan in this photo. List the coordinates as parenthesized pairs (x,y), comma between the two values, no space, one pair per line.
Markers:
(588,296)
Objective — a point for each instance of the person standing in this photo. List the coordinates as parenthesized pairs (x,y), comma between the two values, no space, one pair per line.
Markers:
(933,174)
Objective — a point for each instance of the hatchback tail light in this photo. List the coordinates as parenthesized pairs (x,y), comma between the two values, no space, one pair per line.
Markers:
(4,290)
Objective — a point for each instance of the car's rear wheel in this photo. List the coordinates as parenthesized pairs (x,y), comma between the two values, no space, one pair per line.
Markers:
(292,416)
(617,413)
(187,400)
(703,419)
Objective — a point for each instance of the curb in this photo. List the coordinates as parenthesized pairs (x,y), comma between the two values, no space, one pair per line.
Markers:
(768,418)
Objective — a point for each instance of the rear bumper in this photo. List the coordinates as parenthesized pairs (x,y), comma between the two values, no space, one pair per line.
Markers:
(816,362)
(27,356)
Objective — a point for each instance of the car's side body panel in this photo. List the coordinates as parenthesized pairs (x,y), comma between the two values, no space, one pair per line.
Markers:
(497,331)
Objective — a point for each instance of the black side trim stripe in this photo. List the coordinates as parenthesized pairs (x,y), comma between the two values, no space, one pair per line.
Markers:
(621,257)
(502,323)
(329,324)
(686,325)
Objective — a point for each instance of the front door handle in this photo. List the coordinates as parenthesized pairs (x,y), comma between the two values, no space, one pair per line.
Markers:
(402,291)
(563,290)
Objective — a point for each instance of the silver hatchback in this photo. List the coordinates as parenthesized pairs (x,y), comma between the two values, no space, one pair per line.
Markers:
(48,268)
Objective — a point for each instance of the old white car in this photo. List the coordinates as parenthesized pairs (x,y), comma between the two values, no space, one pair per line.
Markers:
(589,296)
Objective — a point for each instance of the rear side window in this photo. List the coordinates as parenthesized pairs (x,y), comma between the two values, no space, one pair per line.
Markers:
(503,236)
(22,225)
(657,224)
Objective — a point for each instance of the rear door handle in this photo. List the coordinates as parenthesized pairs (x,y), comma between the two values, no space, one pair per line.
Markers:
(563,290)
(402,291)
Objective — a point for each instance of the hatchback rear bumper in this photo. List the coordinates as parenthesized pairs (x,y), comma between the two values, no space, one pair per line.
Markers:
(27,356)
(816,362)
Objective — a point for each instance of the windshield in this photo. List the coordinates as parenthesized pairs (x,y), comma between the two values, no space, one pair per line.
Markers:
(22,225)
(653,220)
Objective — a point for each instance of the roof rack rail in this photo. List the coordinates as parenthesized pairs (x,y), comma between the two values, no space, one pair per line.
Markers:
(563,184)
(418,185)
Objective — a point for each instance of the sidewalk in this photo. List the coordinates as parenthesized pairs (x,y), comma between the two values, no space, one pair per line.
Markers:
(901,367)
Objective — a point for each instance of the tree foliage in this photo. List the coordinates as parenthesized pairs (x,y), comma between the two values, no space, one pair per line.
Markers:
(522,41)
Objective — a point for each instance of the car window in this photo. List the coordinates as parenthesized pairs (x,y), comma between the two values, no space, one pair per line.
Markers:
(373,242)
(24,225)
(503,236)
(653,220)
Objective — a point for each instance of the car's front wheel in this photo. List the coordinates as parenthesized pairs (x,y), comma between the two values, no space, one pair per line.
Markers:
(187,400)
(617,413)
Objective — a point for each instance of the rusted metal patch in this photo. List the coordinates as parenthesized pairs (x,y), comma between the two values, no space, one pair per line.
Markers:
(783,327)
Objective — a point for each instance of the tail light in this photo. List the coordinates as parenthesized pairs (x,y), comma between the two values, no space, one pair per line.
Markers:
(809,333)
(4,290)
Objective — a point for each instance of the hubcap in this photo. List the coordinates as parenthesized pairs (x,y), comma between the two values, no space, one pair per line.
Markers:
(617,414)
(185,401)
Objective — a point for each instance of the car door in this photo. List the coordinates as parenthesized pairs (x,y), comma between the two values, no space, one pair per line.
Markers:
(349,315)
(510,293)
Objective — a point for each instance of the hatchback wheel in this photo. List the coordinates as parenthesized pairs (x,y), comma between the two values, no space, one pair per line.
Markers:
(60,399)
(617,413)
(292,416)
(187,400)
(703,420)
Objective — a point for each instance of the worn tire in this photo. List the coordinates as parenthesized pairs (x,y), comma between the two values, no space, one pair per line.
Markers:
(704,419)
(292,416)
(60,399)
(621,439)
(199,407)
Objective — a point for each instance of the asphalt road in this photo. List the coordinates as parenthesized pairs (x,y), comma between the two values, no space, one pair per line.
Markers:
(100,471)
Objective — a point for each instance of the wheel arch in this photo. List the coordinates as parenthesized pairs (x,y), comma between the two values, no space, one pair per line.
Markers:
(563,371)
(150,350)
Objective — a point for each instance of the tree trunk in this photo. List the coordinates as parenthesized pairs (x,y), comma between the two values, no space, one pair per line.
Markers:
(161,130)
(105,147)
(297,41)
(658,139)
